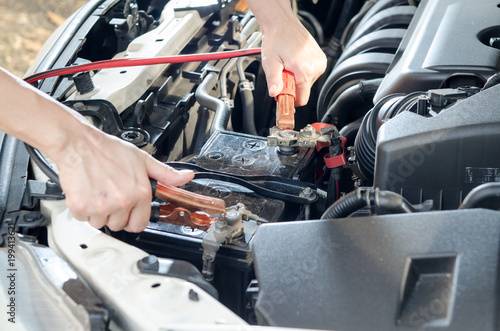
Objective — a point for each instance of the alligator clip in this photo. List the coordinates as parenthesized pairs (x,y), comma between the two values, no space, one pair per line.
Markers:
(182,207)
(285,110)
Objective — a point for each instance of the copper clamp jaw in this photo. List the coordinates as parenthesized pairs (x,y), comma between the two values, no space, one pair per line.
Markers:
(186,208)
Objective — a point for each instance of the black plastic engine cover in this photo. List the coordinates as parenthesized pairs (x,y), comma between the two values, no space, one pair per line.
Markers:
(432,271)
(444,157)
(446,38)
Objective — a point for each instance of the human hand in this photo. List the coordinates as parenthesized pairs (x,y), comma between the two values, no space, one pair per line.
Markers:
(289,46)
(106,180)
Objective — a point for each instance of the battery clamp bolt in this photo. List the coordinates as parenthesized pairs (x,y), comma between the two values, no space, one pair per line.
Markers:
(307,137)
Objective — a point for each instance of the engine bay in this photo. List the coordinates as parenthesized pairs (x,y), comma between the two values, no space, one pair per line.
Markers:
(358,218)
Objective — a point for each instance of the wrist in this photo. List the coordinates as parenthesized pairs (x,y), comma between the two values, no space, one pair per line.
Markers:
(273,16)
(68,140)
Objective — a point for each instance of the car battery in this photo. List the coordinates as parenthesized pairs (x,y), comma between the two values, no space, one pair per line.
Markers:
(242,154)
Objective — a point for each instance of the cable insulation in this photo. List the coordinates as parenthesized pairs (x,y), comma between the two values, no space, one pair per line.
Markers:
(120,63)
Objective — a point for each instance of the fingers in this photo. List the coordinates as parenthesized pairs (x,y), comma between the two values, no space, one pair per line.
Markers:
(119,211)
(139,218)
(139,215)
(84,211)
(273,69)
(123,203)
(165,174)
(98,220)
(295,50)
(122,213)
(305,76)
(302,94)
(109,185)
(118,220)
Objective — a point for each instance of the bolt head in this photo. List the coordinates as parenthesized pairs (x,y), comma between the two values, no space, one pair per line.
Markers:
(152,259)
(220,225)
(31,217)
(309,127)
(287,134)
(79,106)
(232,216)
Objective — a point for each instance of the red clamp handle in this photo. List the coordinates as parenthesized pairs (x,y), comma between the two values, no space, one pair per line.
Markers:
(285,111)
(288,83)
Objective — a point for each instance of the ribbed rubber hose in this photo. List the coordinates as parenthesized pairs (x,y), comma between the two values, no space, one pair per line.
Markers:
(381,5)
(380,202)
(352,98)
(366,139)
(346,205)
(388,39)
(365,146)
(395,16)
(368,66)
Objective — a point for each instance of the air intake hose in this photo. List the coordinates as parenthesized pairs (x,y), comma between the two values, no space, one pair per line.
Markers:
(379,202)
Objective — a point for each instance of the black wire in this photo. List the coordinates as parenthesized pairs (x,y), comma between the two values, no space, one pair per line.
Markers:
(280,188)
(40,161)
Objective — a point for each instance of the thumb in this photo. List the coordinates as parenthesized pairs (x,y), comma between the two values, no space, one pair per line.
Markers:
(273,69)
(165,174)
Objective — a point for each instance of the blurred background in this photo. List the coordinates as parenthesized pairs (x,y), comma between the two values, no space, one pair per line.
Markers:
(25,25)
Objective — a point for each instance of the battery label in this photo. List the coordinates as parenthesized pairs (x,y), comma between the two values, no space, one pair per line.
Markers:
(481,175)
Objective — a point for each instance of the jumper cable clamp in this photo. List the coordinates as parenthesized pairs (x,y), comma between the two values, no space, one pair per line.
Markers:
(186,208)
(285,109)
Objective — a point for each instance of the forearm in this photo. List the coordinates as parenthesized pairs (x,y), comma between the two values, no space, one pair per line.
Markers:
(35,118)
(273,15)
